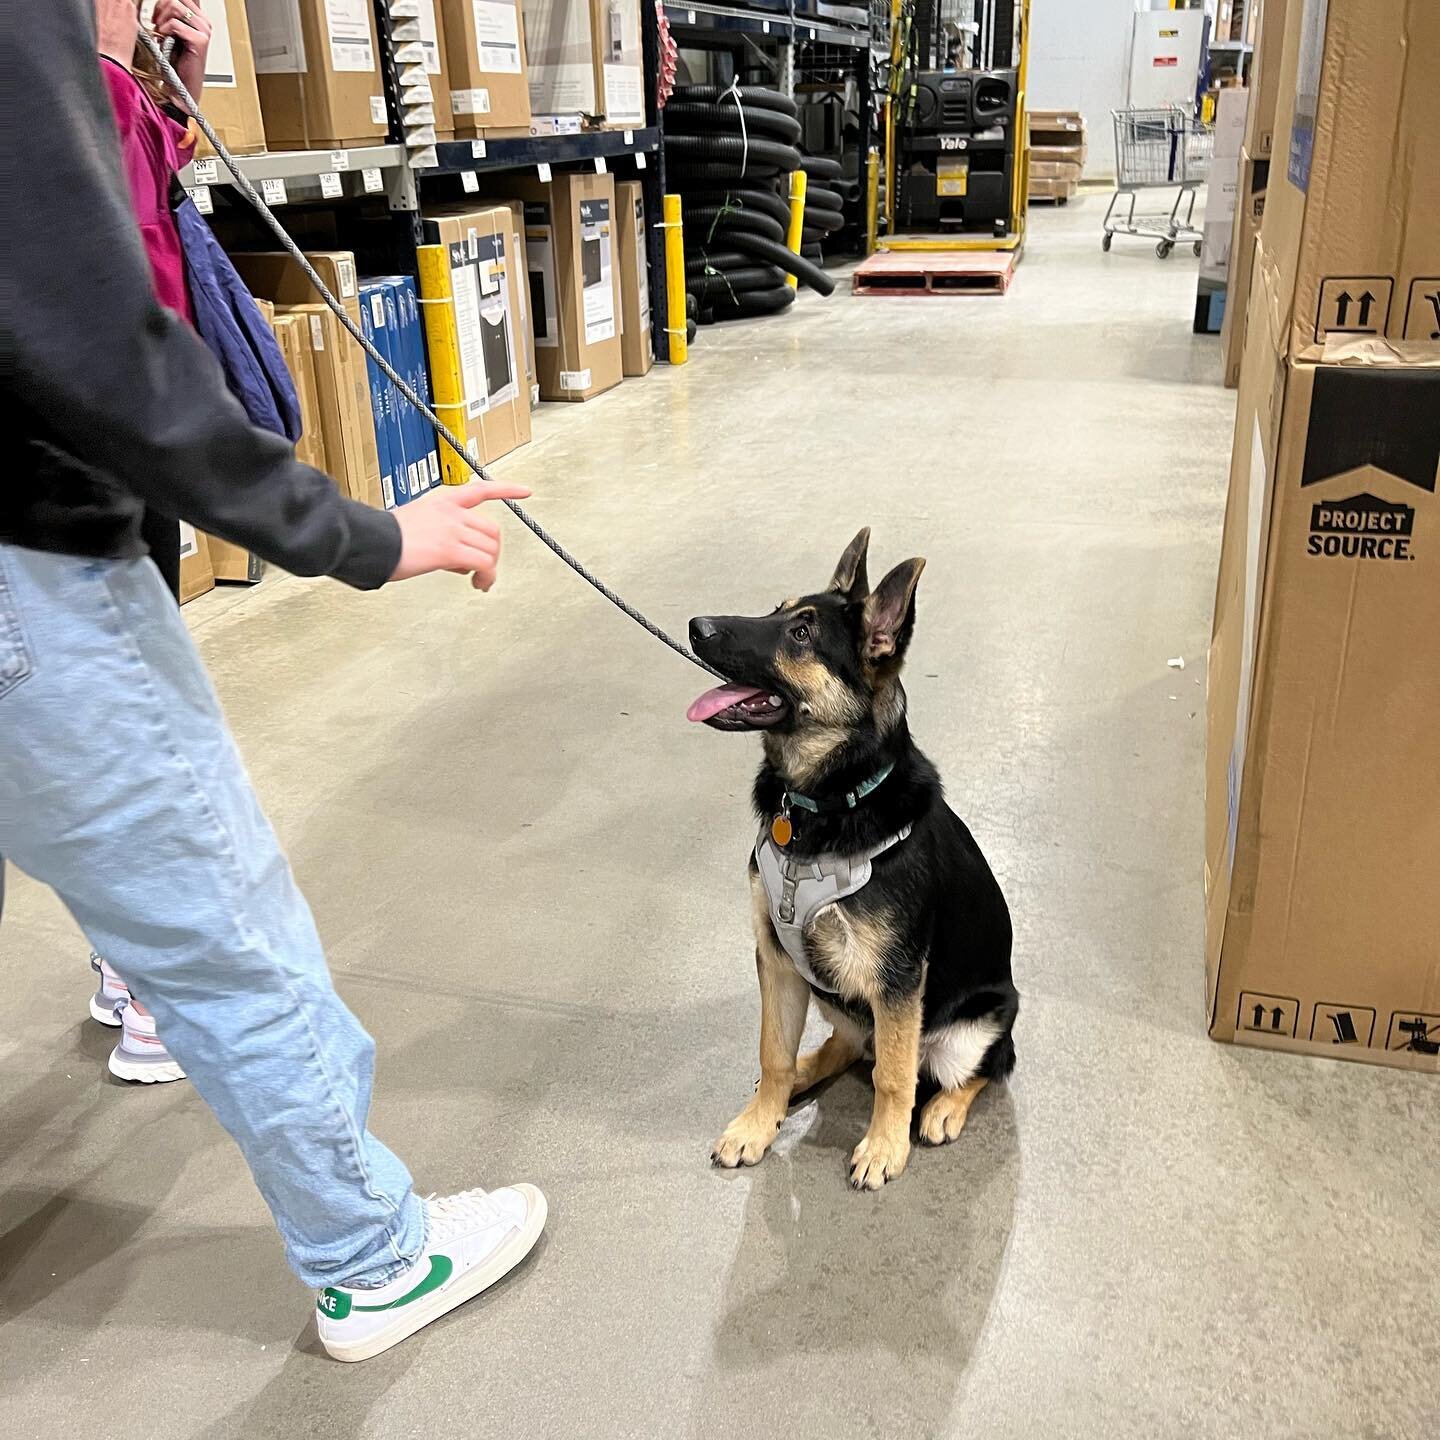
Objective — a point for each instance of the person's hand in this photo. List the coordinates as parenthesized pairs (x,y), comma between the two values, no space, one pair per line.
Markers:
(445,530)
(191,28)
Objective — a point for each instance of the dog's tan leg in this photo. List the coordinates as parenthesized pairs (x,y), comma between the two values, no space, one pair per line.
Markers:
(882,1154)
(784,1000)
(839,1052)
(944,1115)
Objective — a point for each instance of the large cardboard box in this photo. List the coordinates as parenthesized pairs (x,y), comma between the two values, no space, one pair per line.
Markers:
(470,284)
(1249,211)
(1352,216)
(485,61)
(292,331)
(273,275)
(318,67)
(585,59)
(637,353)
(231,100)
(570,240)
(1322,813)
(196,575)
(1265,78)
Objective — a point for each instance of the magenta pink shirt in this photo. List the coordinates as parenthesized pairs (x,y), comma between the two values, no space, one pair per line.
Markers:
(154,147)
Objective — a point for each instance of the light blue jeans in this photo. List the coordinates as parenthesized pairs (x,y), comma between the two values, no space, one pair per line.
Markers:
(121,788)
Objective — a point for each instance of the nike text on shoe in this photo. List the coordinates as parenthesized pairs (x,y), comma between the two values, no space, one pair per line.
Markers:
(474,1240)
(112,992)
(141,1055)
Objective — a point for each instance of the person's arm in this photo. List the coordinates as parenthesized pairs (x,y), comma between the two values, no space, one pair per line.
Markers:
(105,371)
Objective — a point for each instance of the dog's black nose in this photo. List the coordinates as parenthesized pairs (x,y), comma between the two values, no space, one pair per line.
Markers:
(702,628)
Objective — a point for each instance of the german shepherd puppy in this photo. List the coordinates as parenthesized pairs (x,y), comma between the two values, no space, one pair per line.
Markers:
(914,966)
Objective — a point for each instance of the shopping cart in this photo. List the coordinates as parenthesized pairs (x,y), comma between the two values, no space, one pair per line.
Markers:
(1157,149)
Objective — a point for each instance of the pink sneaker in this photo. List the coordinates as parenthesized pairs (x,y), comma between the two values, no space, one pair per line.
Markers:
(113,993)
(141,1055)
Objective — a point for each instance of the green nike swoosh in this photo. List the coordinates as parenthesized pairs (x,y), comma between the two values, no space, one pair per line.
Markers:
(441,1268)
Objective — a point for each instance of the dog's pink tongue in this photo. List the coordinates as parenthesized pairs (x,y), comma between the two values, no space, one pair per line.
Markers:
(722,697)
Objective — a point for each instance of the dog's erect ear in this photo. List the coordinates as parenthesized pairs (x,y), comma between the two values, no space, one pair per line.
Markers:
(890,611)
(849,578)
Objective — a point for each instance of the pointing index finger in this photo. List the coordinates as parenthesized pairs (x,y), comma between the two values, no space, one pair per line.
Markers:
(476,492)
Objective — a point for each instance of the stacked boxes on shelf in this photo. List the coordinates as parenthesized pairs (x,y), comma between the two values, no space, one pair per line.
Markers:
(1057,153)
(1322,814)
(486,63)
(390,319)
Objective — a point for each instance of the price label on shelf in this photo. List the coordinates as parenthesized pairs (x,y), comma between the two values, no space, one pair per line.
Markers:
(330,186)
(629,137)
(690,17)
(543,171)
(765,26)
(372,180)
(639,159)
(812,32)
(339,159)
(200,194)
(477,149)
(206,172)
(600,166)
(272,192)
(469,181)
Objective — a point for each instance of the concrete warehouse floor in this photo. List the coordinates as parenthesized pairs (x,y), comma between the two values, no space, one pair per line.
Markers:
(530,873)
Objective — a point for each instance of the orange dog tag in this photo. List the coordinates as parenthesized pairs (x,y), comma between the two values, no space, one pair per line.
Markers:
(781,830)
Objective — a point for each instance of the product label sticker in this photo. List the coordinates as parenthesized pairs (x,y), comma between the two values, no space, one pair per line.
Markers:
(339,159)
(188,543)
(377,109)
(377,310)
(351,47)
(470,102)
(206,172)
(331,186)
(575,379)
(345,269)
(596,272)
(200,194)
(477,149)
(372,180)
(387,491)
(272,191)
(276,37)
(469,181)
(497,36)
(624,93)
(317,333)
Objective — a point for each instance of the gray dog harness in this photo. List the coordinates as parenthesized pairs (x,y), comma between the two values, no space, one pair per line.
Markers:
(797,890)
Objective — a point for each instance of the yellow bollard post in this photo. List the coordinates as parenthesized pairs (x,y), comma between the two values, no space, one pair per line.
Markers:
(872,198)
(675,331)
(798,180)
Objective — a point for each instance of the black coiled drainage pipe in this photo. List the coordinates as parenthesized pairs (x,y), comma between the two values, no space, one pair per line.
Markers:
(730,157)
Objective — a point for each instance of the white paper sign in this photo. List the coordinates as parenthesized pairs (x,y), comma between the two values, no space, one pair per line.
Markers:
(372,181)
(272,192)
(497,36)
(339,159)
(543,171)
(200,194)
(469,181)
(477,149)
(206,172)
(331,186)
(348,24)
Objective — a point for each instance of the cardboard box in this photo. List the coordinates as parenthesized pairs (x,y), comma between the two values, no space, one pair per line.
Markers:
(1322,812)
(196,576)
(380,323)
(585,59)
(274,275)
(292,331)
(570,236)
(1063,154)
(335,396)
(425,72)
(318,66)
(470,283)
(1055,170)
(1249,211)
(1352,215)
(485,59)
(1058,190)
(637,352)
(1265,78)
(524,329)
(231,100)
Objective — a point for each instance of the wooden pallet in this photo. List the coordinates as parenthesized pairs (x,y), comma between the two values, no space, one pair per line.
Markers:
(920,272)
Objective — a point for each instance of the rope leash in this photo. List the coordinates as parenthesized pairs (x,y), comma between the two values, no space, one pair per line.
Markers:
(242,183)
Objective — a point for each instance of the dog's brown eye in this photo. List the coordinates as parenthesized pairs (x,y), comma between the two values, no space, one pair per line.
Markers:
(801,634)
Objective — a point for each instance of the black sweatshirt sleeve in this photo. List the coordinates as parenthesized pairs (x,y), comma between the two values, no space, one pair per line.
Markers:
(121,382)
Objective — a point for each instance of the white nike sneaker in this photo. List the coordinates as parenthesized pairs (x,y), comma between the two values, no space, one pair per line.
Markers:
(141,1055)
(112,993)
(474,1240)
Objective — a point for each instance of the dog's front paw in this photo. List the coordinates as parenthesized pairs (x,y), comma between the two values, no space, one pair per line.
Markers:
(878,1158)
(745,1141)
